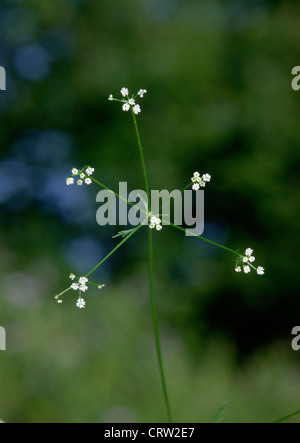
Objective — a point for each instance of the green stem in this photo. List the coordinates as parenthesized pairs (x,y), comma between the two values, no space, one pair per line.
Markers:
(205,239)
(151,282)
(156,328)
(141,155)
(114,250)
(280,420)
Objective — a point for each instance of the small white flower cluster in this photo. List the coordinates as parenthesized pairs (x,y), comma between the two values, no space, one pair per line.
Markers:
(155,222)
(129,103)
(84,177)
(200,181)
(245,263)
(81,286)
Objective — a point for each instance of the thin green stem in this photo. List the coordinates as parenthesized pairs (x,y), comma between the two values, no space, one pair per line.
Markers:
(151,282)
(119,196)
(141,155)
(114,250)
(103,260)
(280,420)
(205,239)
(156,327)
(187,186)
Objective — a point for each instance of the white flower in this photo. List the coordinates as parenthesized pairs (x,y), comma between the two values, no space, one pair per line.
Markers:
(245,259)
(137,109)
(206,178)
(111,97)
(75,171)
(80,303)
(131,102)
(83,280)
(202,184)
(196,174)
(196,187)
(83,288)
(238,269)
(88,181)
(90,171)
(70,181)
(247,269)
(126,107)
(260,270)
(72,277)
(75,286)
(248,252)
(124,92)
(82,176)
(154,222)
(59,301)
(101,286)
(79,182)
(251,259)
(142,92)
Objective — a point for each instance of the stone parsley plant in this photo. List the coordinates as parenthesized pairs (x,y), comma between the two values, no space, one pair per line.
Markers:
(81,284)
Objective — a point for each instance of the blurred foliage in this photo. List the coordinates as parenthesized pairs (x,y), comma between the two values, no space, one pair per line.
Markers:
(220,101)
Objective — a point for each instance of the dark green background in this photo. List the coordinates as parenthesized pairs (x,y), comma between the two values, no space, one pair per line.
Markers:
(219,100)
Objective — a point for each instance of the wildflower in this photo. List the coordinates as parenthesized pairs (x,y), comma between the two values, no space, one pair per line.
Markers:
(154,222)
(142,92)
(79,182)
(83,280)
(111,97)
(245,262)
(83,288)
(72,277)
(89,171)
(59,301)
(137,109)
(75,286)
(82,175)
(101,286)
(200,181)
(124,92)
(206,177)
(126,107)
(260,270)
(131,102)
(88,181)
(70,181)
(80,303)
(75,171)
